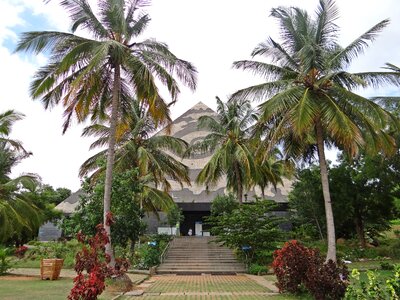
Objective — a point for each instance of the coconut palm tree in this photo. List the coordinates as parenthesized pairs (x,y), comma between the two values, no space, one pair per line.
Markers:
(229,143)
(18,213)
(138,147)
(7,120)
(95,77)
(270,169)
(308,99)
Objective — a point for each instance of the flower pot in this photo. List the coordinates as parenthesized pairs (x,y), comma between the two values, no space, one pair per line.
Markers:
(50,268)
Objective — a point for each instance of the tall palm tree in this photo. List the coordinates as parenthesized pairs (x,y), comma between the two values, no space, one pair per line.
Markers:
(94,77)
(229,141)
(308,97)
(137,146)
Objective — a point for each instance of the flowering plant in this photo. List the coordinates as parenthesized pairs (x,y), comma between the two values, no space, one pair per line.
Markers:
(20,251)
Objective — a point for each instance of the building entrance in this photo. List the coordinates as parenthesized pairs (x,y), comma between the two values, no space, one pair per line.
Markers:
(195,221)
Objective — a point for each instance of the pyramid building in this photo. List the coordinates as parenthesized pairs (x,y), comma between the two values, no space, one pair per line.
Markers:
(194,200)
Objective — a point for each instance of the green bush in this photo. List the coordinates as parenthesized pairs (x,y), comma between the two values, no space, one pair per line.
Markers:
(4,260)
(149,253)
(395,222)
(387,266)
(64,250)
(374,287)
(248,226)
(256,269)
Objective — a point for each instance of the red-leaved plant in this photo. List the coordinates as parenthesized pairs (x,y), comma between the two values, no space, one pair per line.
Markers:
(93,259)
(297,266)
(20,251)
(290,265)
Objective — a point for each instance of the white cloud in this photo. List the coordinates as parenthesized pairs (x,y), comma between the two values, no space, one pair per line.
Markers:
(211,34)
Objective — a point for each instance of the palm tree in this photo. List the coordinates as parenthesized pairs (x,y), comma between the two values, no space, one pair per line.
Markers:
(270,169)
(308,97)
(229,141)
(138,147)
(18,214)
(94,77)
(7,120)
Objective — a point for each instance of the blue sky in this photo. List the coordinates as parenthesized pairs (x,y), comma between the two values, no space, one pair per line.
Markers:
(211,34)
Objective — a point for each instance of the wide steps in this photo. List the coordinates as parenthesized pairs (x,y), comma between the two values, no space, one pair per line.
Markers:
(198,255)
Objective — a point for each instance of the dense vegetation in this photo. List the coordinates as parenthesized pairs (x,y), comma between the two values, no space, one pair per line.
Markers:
(309,102)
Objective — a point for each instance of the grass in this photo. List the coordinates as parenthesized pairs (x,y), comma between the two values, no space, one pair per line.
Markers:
(371,264)
(395,226)
(35,289)
(23,288)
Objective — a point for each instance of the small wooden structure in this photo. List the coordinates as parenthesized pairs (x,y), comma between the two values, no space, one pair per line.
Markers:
(50,268)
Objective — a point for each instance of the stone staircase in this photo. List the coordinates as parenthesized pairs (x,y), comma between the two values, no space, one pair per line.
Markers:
(199,255)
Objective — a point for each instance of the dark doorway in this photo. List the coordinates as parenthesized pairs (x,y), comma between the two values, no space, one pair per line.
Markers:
(194,212)
(191,218)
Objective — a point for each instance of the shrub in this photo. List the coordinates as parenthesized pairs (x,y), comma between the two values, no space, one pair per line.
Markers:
(254,226)
(20,251)
(387,266)
(290,266)
(94,261)
(256,269)
(4,260)
(326,280)
(297,266)
(149,253)
(374,287)
(64,250)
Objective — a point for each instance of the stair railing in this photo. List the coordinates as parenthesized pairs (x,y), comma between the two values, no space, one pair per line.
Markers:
(164,253)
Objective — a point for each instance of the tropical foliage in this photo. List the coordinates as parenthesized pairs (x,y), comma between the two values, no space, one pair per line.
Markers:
(19,216)
(229,143)
(363,194)
(248,229)
(309,99)
(154,156)
(127,224)
(95,77)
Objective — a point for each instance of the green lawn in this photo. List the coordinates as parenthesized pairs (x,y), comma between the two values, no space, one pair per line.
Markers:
(34,288)
(371,264)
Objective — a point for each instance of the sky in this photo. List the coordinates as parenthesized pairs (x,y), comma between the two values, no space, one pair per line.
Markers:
(209,33)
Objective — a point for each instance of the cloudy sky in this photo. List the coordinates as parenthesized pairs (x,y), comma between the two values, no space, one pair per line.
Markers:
(211,34)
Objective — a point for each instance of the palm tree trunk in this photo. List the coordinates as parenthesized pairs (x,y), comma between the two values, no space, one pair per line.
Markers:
(239,184)
(330,225)
(110,158)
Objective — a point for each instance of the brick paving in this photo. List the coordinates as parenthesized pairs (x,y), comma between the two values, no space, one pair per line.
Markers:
(207,287)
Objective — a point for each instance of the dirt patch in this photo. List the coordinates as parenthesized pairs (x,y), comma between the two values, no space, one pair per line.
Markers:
(18,278)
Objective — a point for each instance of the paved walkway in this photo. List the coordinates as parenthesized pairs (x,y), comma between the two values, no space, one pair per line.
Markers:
(203,287)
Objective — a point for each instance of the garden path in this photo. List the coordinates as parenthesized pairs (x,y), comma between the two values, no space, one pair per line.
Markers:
(203,287)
